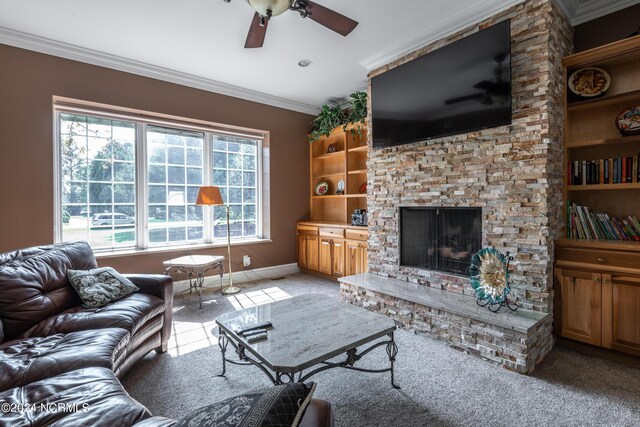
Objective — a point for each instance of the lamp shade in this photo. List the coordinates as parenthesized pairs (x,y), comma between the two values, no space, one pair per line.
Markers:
(209,196)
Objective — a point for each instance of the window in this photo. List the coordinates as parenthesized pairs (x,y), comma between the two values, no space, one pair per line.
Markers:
(133,183)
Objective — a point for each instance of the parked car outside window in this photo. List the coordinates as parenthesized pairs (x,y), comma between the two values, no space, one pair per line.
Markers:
(112,219)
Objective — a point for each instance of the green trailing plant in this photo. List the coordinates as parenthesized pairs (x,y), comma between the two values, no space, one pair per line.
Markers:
(328,119)
(332,117)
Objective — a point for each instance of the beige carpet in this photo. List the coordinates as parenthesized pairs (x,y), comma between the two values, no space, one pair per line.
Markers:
(440,386)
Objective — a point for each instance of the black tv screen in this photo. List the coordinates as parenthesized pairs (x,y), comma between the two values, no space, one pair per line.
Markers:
(459,88)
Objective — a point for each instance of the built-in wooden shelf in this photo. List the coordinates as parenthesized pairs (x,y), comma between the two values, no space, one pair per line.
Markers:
(358,149)
(624,245)
(605,141)
(357,172)
(328,175)
(329,155)
(356,196)
(625,186)
(330,196)
(604,101)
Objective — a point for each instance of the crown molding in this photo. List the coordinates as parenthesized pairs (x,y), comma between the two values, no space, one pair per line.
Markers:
(457,22)
(68,51)
(593,9)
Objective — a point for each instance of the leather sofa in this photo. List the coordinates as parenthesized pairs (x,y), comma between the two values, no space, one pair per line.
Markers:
(60,362)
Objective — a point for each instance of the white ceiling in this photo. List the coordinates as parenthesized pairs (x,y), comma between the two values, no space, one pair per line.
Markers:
(200,43)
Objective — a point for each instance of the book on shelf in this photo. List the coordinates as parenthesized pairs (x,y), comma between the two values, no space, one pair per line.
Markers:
(586,223)
(618,170)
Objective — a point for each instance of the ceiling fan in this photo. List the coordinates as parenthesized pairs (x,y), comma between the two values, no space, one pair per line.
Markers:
(266,9)
(497,87)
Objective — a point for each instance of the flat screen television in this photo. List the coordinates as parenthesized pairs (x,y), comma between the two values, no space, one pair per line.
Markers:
(459,88)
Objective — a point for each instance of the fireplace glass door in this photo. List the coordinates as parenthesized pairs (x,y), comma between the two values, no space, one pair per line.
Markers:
(441,239)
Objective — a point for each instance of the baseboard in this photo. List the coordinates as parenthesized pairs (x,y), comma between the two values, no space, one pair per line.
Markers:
(243,276)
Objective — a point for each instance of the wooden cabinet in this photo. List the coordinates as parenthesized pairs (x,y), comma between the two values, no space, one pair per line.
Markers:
(308,252)
(323,248)
(356,257)
(597,293)
(621,317)
(580,296)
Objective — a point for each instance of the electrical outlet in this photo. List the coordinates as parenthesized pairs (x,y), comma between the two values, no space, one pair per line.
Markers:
(246,260)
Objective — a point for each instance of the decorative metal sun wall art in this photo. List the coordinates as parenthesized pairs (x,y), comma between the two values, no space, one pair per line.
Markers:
(490,279)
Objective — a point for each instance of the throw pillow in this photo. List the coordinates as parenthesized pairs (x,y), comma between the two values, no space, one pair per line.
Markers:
(280,406)
(100,286)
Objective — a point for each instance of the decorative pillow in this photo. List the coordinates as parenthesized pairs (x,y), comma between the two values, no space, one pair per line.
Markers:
(100,286)
(280,406)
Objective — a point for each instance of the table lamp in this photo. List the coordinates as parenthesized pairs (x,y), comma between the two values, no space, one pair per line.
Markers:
(210,196)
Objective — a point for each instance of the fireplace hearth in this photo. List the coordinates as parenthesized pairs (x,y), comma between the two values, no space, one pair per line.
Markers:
(440,239)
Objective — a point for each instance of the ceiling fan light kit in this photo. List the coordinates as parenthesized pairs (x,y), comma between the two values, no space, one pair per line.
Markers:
(267,9)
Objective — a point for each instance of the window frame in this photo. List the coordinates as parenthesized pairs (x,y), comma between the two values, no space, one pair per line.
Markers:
(142,120)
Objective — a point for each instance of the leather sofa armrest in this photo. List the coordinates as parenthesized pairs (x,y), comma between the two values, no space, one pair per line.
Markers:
(160,286)
(318,414)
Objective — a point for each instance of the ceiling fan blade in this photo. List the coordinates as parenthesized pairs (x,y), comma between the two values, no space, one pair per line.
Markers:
(331,19)
(257,32)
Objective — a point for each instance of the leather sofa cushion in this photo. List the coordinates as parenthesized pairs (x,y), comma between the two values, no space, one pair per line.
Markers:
(85,397)
(34,284)
(34,359)
(130,313)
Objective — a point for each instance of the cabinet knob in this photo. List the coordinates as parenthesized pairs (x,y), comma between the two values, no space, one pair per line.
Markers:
(602,260)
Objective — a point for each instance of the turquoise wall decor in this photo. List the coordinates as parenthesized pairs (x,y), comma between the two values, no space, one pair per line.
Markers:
(490,279)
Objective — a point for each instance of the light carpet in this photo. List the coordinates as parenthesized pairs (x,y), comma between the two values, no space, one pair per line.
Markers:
(440,386)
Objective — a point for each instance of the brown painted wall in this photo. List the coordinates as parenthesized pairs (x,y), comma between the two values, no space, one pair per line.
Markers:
(29,80)
(607,29)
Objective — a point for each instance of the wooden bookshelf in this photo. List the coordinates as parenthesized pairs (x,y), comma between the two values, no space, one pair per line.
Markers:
(597,282)
(349,164)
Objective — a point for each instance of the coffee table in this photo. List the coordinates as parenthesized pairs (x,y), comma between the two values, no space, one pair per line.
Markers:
(307,332)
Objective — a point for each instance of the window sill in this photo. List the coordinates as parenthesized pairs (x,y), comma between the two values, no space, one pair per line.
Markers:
(195,247)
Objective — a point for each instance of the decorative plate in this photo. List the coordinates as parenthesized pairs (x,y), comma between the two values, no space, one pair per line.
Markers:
(322,188)
(628,121)
(589,82)
(340,187)
(363,188)
(489,276)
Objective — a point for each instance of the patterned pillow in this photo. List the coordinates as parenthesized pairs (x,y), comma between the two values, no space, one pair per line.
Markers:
(280,406)
(100,286)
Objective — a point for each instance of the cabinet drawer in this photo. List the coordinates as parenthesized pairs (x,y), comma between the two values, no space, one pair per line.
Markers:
(599,258)
(357,234)
(307,229)
(331,232)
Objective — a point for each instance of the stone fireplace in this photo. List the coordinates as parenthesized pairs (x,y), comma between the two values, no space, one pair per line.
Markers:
(511,174)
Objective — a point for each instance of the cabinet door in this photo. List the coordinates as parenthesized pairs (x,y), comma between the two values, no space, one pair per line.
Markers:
(581,305)
(312,253)
(621,313)
(325,256)
(337,258)
(302,251)
(352,257)
(364,258)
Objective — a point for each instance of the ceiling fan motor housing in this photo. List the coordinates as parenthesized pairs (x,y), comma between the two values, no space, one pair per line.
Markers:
(270,7)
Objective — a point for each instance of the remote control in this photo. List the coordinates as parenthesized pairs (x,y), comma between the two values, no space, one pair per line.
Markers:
(257,337)
(263,325)
(254,332)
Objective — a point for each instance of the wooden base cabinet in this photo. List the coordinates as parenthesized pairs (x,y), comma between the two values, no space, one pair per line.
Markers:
(621,313)
(579,296)
(356,253)
(325,249)
(597,292)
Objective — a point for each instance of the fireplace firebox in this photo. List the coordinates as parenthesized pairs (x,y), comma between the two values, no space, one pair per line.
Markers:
(440,239)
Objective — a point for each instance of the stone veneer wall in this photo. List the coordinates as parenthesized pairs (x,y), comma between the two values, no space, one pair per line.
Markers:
(514,173)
